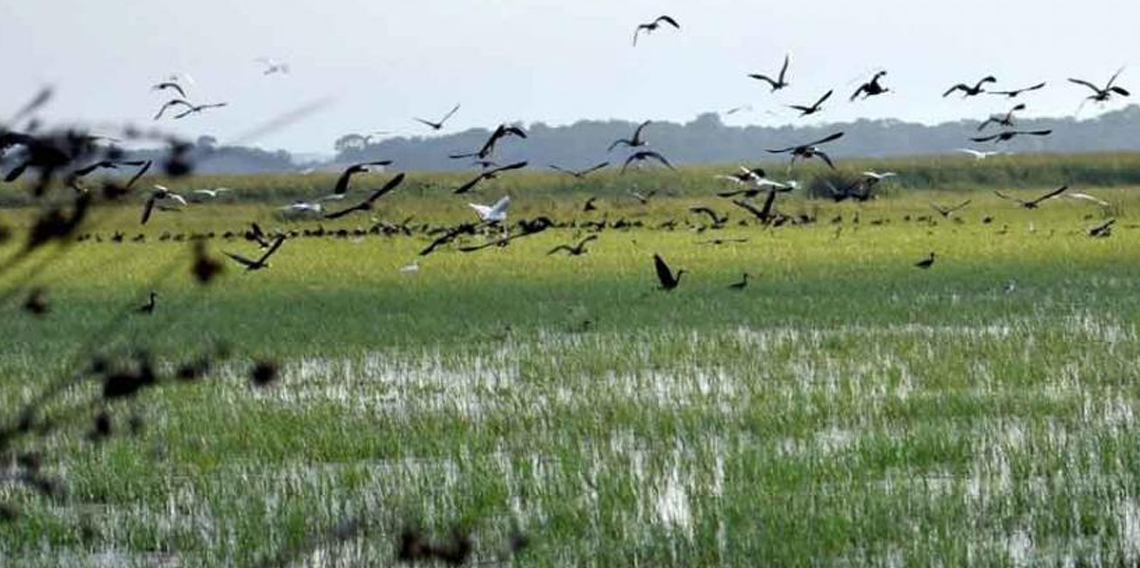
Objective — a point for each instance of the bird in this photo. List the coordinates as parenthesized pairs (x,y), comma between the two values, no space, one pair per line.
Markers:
(212,193)
(740,285)
(643,156)
(810,150)
(488,175)
(717,220)
(367,204)
(1087,197)
(979,155)
(668,279)
(148,307)
(1008,135)
(160,193)
(635,142)
(643,197)
(810,110)
(766,214)
(85,171)
(745,175)
(574,250)
(1102,230)
(1017,92)
(874,177)
(495,213)
(301,206)
(409,268)
(341,186)
(438,125)
(589,205)
(172,85)
(502,131)
(580,174)
(1005,120)
(262,262)
(871,88)
(781,81)
(1034,203)
(948,211)
(272,66)
(926,263)
(1103,94)
(528,228)
(970,91)
(651,27)
(190,108)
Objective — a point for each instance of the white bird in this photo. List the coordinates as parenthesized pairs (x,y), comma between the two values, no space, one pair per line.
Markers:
(413,267)
(162,192)
(273,66)
(304,207)
(879,176)
(979,154)
(1088,197)
(333,197)
(493,213)
(212,193)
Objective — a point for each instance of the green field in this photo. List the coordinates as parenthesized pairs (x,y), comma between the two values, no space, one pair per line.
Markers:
(845,409)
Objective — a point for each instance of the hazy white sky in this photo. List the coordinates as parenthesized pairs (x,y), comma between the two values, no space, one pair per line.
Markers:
(555,61)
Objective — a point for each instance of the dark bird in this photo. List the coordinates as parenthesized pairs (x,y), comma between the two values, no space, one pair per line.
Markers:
(574,250)
(488,175)
(438,125)
(948,211)
(1102,230)
(1033,204)
(160,193)
(148,307)
(766,213)
(645,155)
(635,142)
(718,242)
(342,182)
(871,88)
(781,81)
(260,262)
(488,147)
(366,205)
(665,276)
(448,235)
(968,90)
(580,174)
(717,220)
(589,206)
(256,235)
(85,171)
(1010,135)
(1018,92)
(810,150)
(1005,120)
(652,26)
(190,108)
(1102,95)
(926,262)
(169,85)
(740,285)
(810,110)
(527,228)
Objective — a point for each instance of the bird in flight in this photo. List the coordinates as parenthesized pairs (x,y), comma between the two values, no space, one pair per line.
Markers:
(172,85)
(766,214)
(979,155)
(810,110)
(272,66)
(651,27)
(1101,95)
(190,108)
(438,125)
(341,186)
(1005,120)
(574,250)
(495,213)
(635,142)
(211,193)
(160,193)
(968,90)
(1010,135)
(501,132)
(948,211)
(665,276)
(1017,92)
(871,88)
(1033,203)
(781,80)
(1089,198)
(367,204)
(643,156)
(263,261)
(488,175)
(580,174)
(717,220)
(810,150)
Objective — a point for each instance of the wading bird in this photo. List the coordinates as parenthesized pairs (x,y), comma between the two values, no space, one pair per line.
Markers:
(488,175)
(580,174)
(1034,203)
(148,307)
(1005,120)
(1102,95)
(262,262)
(643,156)
(367,204)
(667,278)
(970,91)
(926,262)
(810,150)
(575,250)
(740,285)
(781,81)
(635,142)
(438,125)
(651,27)
(871,88)
(810,110)
(495,213)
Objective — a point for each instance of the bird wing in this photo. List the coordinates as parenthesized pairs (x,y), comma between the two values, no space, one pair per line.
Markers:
(830,138)
(784,69)
(823,98)
(566,248)
(764,78)
(595,168)
(617,143)
(859,91)
(961,205)
(558,169)
(1112,81)
(667,20)
(448,115)
(500,206)
(169,104)
(148,207)
(1121,91)
(1035,132)
(272,249)
(1008,198)
(826,158)
(1086,84)
(1051,194)
(429,123)
(984,139)
(658,157)
(467,186)
(958,87)
(143,169)
(508,167)
(240,259)
(391,185)
(1088,197)
(343,212)
(664,275)
(640,127)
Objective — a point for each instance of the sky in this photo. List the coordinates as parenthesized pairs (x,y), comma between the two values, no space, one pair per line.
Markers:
(372,65)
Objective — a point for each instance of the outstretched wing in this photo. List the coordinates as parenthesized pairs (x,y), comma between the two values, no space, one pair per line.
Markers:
(241,259)
(1086,84)
(1051,194)
(272,249)
(667,20)
(392,184)
(831,138)
(664,275)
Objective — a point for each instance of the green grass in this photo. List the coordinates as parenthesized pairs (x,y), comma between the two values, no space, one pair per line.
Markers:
(846,409)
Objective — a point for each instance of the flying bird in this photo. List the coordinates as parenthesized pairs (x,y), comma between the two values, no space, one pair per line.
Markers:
(810,150)
(643,156)
(496,213)
(341,186)
(635,142)
(488,175)
(1103,230)
(169,85)
(1018,92)
(668,279)
(652,26)
(1103,94)
(968,90)
(488,147)
(160,193)
(766,214)
(1008,135)
(580,174)
(948,211)
(306,207)
(717,220)
(1034,203)
(574,250)
(190,108)
(979,155)
(871,88)
(367,204)
(211,193)
(1087,197)
(810,110)
(261,262)
(780,82)
(438,125)
(1005,120)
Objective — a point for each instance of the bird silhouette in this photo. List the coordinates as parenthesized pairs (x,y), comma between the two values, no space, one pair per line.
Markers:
(438,125)
(263,261)
(1033,203)
(871,88)
(488,175)
(574,250)
(780,82)
(651,27)
(368,202)
(665,276)
(970,90)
